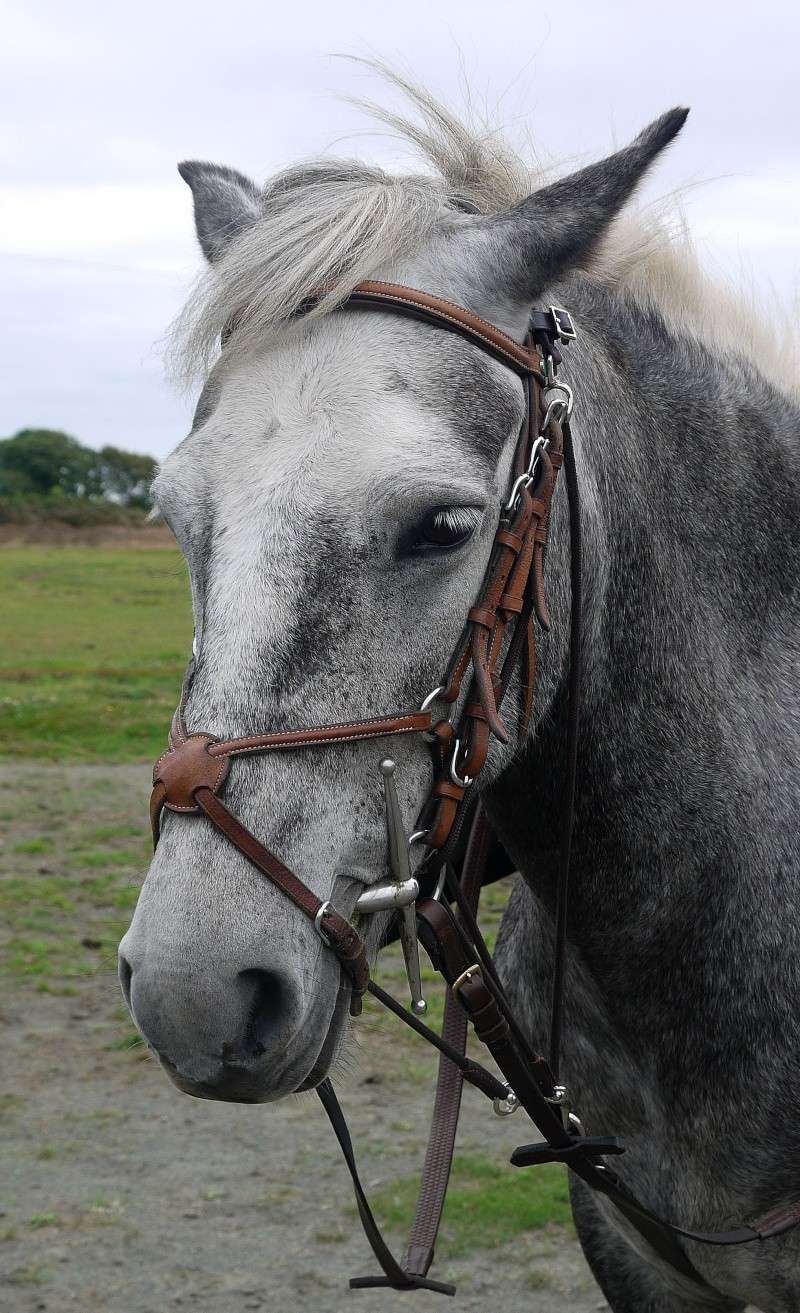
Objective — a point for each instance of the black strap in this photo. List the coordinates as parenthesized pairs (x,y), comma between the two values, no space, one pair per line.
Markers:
(573,725)
(395,1276)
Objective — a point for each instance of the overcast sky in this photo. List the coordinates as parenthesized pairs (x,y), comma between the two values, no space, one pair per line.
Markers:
(97,244)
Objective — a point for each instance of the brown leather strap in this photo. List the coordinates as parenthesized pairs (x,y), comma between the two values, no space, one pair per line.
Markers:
(376,727)
(337,933)
(436,310)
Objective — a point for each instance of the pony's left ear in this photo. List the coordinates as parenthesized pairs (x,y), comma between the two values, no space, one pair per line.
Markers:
(524,249)
(225,204)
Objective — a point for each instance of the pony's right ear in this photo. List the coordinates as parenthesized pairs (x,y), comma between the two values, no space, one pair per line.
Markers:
(225,204)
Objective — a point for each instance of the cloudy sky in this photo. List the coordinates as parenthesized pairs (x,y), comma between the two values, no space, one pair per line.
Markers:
(100,100)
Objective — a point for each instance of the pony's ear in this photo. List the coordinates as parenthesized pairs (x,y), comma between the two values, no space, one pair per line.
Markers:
(225,203)
(524,249)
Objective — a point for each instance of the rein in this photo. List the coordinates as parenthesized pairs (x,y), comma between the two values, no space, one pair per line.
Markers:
(497,641)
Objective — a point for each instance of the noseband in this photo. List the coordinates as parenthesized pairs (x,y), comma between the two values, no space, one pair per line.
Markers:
(498,640)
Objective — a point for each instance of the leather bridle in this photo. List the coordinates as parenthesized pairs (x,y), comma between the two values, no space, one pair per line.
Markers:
(498,641)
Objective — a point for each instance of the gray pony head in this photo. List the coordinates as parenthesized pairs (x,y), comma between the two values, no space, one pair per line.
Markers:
(336,502)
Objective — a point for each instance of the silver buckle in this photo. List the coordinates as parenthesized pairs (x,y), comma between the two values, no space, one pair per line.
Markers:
(563,323)
(325,907)
(465,977)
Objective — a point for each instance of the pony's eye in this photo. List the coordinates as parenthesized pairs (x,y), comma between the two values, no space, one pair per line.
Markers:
(446,526)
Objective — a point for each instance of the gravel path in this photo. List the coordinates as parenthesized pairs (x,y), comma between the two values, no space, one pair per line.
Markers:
(118,1195)
(145,1201)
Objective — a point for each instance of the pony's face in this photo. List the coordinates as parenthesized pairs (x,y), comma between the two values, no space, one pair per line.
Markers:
(336,503)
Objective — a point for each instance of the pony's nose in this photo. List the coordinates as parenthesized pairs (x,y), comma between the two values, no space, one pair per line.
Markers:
(214,1034)
(263,993)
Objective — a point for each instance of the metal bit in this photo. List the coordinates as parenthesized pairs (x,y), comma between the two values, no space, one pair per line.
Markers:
(401,875)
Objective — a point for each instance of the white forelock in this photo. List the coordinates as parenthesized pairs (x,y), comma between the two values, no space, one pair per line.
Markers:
(329,223)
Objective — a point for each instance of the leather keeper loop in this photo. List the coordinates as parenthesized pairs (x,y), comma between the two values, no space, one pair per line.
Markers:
(511,602)
(509,539)
(446,789)
(478,615)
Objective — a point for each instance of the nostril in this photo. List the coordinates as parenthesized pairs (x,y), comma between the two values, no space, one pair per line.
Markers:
(125,974)
(267,996)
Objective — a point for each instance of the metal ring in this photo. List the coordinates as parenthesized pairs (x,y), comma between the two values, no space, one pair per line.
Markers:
(417,837)
(437,692)
(435,696)
(326,907)
(507,1105)
(454,776)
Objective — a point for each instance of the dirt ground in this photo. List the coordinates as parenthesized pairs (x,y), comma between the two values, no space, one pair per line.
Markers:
(117,1194)
(53,534)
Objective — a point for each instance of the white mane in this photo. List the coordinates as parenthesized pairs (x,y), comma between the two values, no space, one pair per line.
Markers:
(332,223)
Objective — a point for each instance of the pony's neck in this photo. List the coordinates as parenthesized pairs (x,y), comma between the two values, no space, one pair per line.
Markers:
(689,466)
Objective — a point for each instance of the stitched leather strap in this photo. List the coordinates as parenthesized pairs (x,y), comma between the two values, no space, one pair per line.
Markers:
(337,933)
(524,360)
(376,727)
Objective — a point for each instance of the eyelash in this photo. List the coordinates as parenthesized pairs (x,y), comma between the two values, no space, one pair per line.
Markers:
(458,519)
(443,529)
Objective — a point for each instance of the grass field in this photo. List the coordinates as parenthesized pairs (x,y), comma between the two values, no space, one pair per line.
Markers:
(95,641)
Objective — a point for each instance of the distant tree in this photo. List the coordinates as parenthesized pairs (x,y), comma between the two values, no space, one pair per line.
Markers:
(47,463)
(126,476)
(41,461)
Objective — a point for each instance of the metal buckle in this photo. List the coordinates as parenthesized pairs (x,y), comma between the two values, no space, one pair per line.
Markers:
(563,323)
(522,482)
(464,977)
(326,907)
(559,1097)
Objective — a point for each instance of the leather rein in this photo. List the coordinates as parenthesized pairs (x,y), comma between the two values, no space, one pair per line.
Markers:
(497,641)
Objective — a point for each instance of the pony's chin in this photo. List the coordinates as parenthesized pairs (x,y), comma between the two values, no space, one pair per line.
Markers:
(232,1082)
(332,1045)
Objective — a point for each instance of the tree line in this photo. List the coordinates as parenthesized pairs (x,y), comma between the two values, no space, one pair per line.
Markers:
(46,474)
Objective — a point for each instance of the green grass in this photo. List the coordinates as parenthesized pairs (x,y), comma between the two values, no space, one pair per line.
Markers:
(65,897)
(487,1204)
(95,641)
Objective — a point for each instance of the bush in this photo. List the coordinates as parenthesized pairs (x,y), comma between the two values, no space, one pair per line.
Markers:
(60,509)
(46,474)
